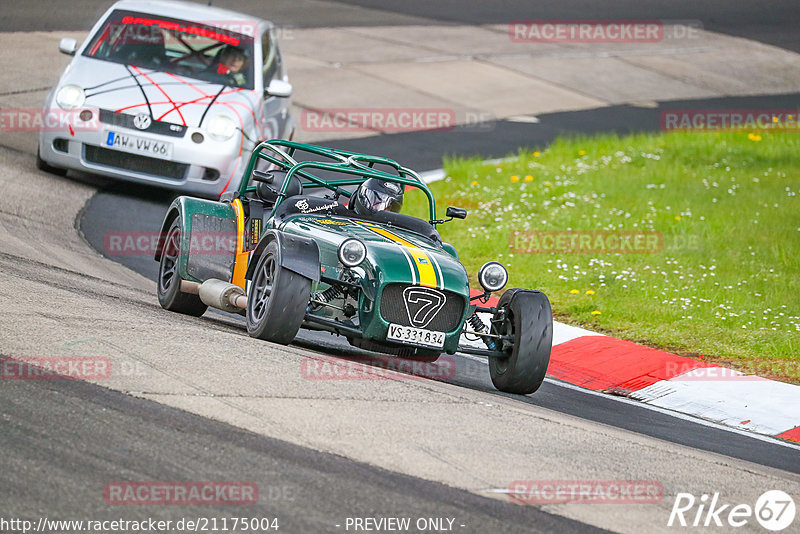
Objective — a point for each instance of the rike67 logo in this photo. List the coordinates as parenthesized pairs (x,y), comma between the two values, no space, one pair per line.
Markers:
(774,510)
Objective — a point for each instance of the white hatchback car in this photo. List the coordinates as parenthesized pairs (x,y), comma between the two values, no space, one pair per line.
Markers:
(168,93)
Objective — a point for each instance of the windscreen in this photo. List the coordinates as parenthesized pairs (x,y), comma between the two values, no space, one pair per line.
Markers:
(180,47)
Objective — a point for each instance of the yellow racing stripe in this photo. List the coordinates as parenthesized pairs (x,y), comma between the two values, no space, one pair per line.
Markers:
(422,261)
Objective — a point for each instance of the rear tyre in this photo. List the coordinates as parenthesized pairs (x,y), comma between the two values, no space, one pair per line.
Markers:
(529,321)
(278,299)
(42,165)
(169,282)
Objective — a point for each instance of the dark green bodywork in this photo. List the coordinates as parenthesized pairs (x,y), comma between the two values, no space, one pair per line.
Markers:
(187,208)
(387,261)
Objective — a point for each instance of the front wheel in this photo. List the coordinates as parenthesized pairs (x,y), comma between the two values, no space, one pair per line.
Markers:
(526,317)
(278,299)
(169,282)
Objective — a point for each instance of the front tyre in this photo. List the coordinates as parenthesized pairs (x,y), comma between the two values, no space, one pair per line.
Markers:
(278,299)
(528,320)
(169,282)
(42,165)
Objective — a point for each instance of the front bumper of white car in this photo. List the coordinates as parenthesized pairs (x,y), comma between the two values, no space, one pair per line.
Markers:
(202,168)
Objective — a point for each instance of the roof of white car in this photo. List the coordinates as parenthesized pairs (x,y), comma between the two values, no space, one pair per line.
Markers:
(185,10)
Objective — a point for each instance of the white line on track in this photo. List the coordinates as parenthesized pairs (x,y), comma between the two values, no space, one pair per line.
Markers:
(678,415)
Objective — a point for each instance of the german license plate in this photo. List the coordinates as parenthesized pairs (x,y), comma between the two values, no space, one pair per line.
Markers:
(139,145)
(415,336)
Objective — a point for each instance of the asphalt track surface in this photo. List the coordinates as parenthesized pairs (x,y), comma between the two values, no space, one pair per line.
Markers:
(51,469)
(770,21)
(123,208)
(146,440)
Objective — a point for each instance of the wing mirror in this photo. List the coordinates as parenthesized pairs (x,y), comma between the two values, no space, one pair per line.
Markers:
(68,46)
(452,213)
(278,88)
(456,213)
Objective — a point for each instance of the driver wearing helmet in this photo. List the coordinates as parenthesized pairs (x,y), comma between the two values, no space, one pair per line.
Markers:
(376,195)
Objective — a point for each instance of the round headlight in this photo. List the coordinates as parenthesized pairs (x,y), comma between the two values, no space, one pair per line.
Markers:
(70,97)
(221,127)
(493,276)
(352,252)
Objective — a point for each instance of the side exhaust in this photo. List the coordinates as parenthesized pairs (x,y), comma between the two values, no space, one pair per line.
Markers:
(217,294)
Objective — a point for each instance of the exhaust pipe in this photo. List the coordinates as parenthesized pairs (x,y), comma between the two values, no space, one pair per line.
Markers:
(217,294)
(188,286)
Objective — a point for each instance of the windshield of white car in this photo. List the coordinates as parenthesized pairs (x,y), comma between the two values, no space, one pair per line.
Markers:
(201,51)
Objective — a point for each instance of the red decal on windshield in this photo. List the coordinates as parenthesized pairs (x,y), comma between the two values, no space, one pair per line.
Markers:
(185,29)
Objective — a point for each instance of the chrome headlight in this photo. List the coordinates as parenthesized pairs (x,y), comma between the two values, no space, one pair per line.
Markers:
(493,276)
(70,97)
(352,252)
(221,127)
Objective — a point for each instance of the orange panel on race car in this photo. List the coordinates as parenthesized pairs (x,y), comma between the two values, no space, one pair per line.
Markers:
(242,255)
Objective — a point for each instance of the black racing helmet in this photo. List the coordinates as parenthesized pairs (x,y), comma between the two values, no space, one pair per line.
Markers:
(376,195)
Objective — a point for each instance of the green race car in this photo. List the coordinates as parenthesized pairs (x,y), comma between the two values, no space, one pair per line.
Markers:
(289,250)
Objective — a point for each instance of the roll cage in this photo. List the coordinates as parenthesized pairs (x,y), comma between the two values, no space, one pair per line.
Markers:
(283,155)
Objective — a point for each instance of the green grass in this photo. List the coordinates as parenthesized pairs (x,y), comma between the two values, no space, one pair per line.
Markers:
(726,284)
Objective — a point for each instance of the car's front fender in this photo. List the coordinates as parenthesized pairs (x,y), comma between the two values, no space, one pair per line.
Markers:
(297,253)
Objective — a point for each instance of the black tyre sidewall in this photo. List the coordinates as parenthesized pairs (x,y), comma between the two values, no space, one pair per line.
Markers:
(42,165)
(524,371)
(287,303)
(172,298)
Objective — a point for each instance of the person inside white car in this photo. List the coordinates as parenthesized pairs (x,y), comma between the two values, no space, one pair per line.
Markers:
(230,64)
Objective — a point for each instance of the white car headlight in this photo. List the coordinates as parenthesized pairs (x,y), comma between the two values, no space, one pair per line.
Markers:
(493,276)
(352,252)
(70,97)
(221,128)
